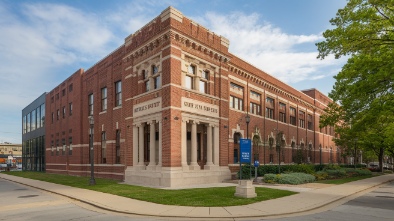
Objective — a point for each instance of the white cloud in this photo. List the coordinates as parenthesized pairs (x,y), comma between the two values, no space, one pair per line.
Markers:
(282,55)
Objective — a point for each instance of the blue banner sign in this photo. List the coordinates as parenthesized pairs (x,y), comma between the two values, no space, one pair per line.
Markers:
(256,163)
(245,146)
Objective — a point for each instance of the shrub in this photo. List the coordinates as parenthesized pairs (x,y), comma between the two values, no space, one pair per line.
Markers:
(362,172)
(336,173)
(289,178)
(321,175)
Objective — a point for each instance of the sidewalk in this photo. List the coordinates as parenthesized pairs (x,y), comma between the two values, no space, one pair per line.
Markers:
(301,202)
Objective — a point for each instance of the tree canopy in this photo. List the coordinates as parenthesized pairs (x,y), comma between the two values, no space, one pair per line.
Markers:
(363,93)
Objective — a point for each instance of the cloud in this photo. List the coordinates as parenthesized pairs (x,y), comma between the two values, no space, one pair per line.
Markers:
(287,57)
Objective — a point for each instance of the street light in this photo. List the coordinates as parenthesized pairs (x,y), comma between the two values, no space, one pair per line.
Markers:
(247,119)
(92,180)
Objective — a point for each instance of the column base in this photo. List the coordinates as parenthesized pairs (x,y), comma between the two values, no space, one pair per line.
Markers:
(245,189)
(194,167)
(151,167)
(211,167)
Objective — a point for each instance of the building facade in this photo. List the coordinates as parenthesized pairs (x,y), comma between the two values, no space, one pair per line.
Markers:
(169,108)
(33,135)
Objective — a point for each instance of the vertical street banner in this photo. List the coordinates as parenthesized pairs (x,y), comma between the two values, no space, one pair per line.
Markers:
(245,146)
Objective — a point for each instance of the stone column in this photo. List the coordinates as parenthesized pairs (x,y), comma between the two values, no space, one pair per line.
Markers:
(184,144)
(141,145)
(209,145)
(160,143)
(193,164)
(135,145)
(216,145)
(152,146)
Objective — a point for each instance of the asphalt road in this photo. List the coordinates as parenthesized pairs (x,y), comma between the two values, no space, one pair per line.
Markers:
(18,202)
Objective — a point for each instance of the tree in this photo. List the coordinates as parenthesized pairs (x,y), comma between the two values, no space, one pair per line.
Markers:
(364,88)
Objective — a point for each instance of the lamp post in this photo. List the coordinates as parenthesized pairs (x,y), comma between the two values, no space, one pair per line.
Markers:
(92,180)
(247,119)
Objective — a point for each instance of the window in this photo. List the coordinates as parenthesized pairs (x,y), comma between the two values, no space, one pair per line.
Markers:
(57,96)
(70,143)
(282,112)
(52,99)
(118,93)
(269,113)
(70,88)
(204,82)
(145,75)
(38,117)
(53,116)
(64,112)
(70,108)
(28,122)
(103,147)
(43,115)
(52,147)
(64,146)
(189,79)
(156,77)
(24,124)
(90,103)
(301,119)
(293,119)
(269,108)
(58,114)
(103,99)
(117,144)
(310,124)
(64,92)
(57,147)
(33,120)
(255,108)
(236,103)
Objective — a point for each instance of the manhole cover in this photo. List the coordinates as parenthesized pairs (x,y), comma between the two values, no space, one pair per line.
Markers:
(386,196)
(27,196)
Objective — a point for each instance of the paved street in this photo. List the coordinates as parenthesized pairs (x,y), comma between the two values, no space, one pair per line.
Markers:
(19,202)
(376,205)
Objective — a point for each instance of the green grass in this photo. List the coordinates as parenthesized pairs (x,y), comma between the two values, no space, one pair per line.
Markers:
(344,180)
(199,197)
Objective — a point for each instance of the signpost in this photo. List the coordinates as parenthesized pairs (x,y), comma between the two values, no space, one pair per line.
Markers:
(245,154)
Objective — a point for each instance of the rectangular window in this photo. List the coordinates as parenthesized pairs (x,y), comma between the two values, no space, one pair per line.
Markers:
(53,117)
(189,82)
(70,88)
(57,147)
(293,118)
(147,86)
(282,112)
(57,96)
(157,81)
(42,115)
(255,108)
(203,86)
(301,119)
(269,113)
(33,120)
(28,122)
(118,93)
(52,148)
(236,103)
(310,124)
(103,147)
(189,78)
(117,144)
(24,124)
(70,143)
(57,114)
(64,146)
(64,92)
(103,99)
(90,103)
(70,108)
(64,112)
(38,117)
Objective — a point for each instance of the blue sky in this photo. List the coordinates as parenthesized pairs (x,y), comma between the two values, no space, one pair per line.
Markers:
(44,42)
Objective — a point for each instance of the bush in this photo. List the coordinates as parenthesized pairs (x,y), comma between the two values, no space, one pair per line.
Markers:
(362,172)
(335,173)
(289,178)
(321,175)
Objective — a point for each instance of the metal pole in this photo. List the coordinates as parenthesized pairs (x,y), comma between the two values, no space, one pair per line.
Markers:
(92,180)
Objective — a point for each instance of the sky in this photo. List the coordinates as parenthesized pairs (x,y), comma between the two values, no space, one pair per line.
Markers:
(43,42)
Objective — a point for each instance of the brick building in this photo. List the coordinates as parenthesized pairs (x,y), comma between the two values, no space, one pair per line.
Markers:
(169,108)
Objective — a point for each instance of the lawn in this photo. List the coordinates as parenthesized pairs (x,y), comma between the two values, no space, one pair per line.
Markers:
(199,197)
(344,180)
